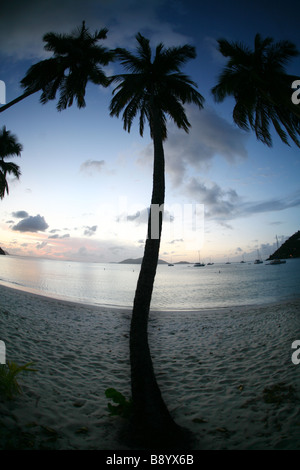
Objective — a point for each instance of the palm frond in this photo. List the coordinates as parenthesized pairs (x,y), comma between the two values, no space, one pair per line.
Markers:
(77,58)
(154,83)
(258,82)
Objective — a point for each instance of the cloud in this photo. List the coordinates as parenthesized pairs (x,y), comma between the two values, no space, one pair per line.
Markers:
(224,205)
(210,135)
(89,231)
(92,166)
(20,214)
(41,245)
(23,23)
(271,205)
(213,47)
(217,201)
(141,217)
(56,236)
(31,224)
(177,240)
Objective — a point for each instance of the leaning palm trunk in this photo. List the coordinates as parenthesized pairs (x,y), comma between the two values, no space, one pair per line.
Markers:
(151,418)
(16,100)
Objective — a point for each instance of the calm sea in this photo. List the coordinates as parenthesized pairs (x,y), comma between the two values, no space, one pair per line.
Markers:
(179,287)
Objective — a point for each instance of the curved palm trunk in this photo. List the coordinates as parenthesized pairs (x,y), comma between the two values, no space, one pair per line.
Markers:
(16,100)
(151,418)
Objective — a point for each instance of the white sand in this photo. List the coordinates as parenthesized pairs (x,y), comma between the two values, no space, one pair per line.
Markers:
(212,366)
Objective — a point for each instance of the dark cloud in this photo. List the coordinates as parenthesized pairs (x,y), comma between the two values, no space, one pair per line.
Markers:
(23,23)
(224,205)
(210,136)
(92,166)
(141,217)
(20,214)
(271,205)
(89,231)
(56,236)
(31,224)
(217,201)
(177,240)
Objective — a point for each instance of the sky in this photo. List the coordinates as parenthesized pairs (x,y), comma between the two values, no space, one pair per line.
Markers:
(86,183)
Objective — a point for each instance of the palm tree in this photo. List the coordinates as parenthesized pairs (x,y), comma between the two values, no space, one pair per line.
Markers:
(261,87)
(155,90)
(76,60)
(9,147)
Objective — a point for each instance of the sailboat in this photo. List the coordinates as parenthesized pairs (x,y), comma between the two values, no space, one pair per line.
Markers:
(258,260)
(277,260)
(170,264)
(199,265)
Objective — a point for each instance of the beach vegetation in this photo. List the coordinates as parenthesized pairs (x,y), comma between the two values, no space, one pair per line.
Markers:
(155,90)
(9,147)
(257,80)
(9,385)
(123,406)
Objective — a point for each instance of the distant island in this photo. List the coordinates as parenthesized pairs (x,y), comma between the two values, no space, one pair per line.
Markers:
(139,261)
(289,249)
(2,252)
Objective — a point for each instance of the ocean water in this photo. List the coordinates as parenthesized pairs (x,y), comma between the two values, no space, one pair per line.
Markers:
(178,287)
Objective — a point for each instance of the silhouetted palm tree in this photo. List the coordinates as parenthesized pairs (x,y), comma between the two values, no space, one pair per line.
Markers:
(261,87)
(76,60)
(9,147)
(155,89)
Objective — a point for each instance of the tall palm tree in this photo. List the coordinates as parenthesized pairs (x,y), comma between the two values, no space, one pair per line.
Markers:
(76,59)
(261,87)
(9,147)
(155,89)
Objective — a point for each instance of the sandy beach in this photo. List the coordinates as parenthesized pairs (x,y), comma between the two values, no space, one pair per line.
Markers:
(226,374)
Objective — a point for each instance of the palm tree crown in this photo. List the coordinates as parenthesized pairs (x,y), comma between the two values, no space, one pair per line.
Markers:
(9,147)
(156,84)
(261,87)
(77,58)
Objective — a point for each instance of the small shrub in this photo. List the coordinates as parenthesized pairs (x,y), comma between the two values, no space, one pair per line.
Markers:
(123,407)
(9,386)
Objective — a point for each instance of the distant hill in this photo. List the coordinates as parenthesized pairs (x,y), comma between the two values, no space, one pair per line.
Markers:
(2,252)
(289,249)
(139,261)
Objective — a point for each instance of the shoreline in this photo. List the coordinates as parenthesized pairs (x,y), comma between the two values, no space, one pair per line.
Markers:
(214,368)
(127,309)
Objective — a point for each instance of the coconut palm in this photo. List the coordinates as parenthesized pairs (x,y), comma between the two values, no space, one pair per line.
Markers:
(9,147)
(77,58)
(154,89)
(261,87)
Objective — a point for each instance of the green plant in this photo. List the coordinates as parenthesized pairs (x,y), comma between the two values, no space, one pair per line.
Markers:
(123,407)
(8,383)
